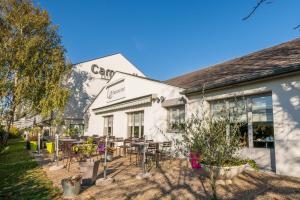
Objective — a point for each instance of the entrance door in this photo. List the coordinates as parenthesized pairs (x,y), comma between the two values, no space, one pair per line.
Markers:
(136,124)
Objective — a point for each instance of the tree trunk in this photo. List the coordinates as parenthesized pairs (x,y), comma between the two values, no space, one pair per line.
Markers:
(213,185)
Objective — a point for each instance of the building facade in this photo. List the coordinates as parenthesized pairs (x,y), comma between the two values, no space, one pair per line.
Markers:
(84,83)
(265,84)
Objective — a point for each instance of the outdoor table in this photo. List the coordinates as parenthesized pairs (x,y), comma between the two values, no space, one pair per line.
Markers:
(78,142)
(142,149)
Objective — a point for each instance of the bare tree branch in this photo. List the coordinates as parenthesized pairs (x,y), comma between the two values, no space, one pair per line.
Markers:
(259,3)
(297,27)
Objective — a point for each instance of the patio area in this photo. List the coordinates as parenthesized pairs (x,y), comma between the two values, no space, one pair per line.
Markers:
(175,180)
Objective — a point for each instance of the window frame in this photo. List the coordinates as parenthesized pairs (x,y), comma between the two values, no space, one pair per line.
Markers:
(170,110)
(112,125)
(141,127)
(249,116)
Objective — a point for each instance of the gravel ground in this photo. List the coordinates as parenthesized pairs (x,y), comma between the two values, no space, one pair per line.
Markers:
(175,180)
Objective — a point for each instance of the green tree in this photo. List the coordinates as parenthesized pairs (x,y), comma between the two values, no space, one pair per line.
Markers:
(33,67)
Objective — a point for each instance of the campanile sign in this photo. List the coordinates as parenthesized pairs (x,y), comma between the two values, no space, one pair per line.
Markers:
(104,73)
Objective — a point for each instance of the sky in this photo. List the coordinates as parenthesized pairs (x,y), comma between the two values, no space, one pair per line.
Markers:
(168,38)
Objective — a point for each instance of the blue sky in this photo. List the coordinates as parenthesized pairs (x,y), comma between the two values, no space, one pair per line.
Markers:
(167,38)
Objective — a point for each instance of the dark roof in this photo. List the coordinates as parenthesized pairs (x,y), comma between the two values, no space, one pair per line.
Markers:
(280,59)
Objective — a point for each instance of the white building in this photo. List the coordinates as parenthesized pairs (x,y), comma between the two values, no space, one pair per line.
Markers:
(85,82)
(87,79)
(265,83)
(134,106)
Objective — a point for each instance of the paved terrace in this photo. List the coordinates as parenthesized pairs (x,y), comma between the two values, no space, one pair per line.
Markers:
(176,180)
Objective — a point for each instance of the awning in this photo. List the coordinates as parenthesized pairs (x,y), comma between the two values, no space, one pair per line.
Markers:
(174,102)
(136,102)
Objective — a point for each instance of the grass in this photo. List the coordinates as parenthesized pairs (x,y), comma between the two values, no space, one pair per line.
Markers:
(21,177)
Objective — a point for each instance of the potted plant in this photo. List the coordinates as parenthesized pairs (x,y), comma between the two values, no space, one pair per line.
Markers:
(110,153)
(71,186)
(213,143)
(88,166)
(70,132)
(50,147)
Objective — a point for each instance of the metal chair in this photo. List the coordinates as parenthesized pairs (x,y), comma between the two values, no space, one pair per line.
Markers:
(71,154)
(166,151)
(125,146)
(151,152)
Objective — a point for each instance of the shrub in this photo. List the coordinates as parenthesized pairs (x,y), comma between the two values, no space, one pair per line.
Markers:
(14,132)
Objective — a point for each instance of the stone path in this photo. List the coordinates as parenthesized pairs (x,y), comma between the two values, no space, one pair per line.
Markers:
(175,180)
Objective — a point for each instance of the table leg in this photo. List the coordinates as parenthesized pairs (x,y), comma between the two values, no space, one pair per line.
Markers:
(157,155)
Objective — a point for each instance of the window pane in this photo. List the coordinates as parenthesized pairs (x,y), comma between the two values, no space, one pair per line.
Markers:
(135,122)
(263,131)
(136,131)
(262,109)
(218,108)
(238,111)
(175,115)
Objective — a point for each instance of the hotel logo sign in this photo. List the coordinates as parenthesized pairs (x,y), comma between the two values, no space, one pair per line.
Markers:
(104,73)
(116,91)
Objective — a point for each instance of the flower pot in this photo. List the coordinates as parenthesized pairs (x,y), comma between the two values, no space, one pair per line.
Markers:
(71,186)
(194,160)
(33,145)
(224,173)
(89,171)
(109,157)
(50,147)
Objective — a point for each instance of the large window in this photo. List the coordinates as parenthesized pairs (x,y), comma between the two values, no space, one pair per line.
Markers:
(176,117)
(136,124)
(262,122)
(108,125)
(235,110)
(255,114)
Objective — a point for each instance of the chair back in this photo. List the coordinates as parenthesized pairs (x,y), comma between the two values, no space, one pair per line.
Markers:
(119,139)
(152,147)
(149,140)
(167,144)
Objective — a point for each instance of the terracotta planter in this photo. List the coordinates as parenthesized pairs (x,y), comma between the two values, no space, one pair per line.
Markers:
(71,186)
(89,171)
(194,160)
(225,173)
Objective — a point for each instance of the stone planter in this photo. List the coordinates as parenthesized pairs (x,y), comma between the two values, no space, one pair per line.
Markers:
(109,157)
(89,171)
(225,173)
(71,186)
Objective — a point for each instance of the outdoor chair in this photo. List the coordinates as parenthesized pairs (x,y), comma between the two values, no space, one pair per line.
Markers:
(151,153)
(166,151)
(133,150)
(71,154)
(125,146)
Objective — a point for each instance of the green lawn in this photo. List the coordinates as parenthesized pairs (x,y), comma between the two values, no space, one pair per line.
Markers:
(21,177)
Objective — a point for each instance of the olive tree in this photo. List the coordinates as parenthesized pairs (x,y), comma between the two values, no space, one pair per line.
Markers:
(216,137)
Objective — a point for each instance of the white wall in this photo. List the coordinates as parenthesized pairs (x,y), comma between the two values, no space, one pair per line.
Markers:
(155,116)
(85,85)
(286,115)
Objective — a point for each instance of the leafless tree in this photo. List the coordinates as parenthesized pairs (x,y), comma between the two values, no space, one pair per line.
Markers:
(259,4)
